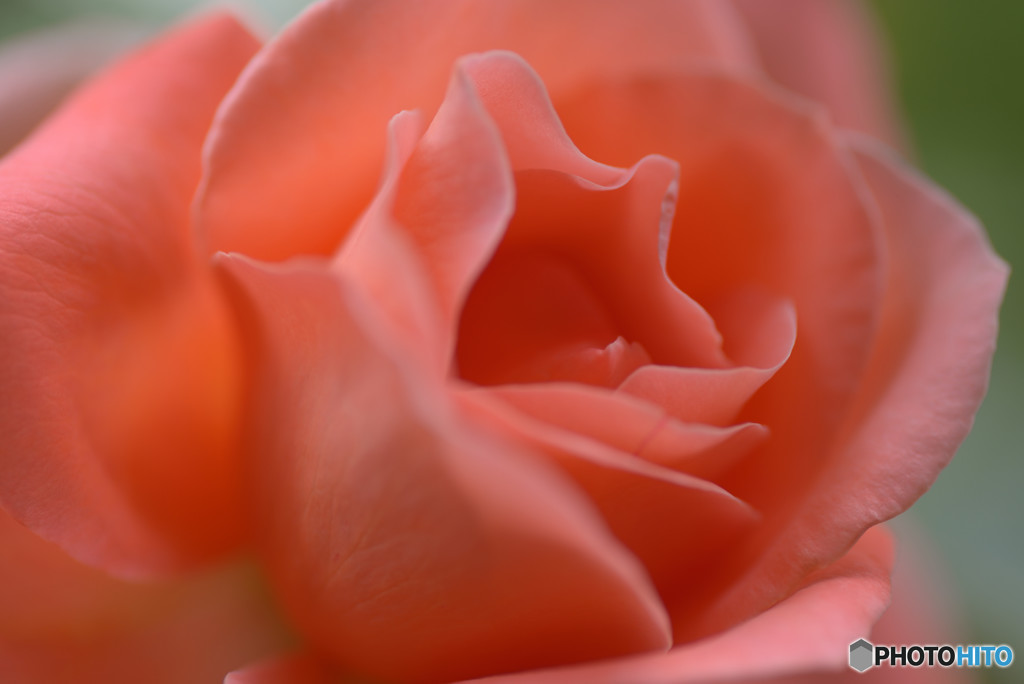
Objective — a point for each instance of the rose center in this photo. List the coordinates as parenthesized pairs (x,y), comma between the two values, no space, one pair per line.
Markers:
(533,317)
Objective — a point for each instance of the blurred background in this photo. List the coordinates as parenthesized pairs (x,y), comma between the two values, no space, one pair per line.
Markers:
(958,71)
(958,68)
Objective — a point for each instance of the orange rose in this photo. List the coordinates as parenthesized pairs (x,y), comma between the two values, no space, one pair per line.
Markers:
(619,382)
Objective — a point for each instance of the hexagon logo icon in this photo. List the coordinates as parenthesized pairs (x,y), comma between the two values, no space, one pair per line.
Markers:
(861,655)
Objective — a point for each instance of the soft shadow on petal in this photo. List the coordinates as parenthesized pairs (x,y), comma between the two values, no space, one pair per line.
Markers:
(66,622)
(810,630)
(120,370)
(404,542)
(297,149)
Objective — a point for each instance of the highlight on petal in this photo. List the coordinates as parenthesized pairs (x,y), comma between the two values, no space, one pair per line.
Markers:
(829,51)
(65,622)
(39,69)
(810,630)
(295,153)
(404,543)
(121,375)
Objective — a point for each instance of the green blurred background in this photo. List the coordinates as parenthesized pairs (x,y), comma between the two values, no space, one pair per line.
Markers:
(959,71)
(958,68)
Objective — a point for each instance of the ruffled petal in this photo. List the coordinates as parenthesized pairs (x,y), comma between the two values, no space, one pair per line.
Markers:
(633,425)
(759,333)
(404,543)
(754,166)
(811,630)
(120,374)
(446,199)
(769,205)
(297,149)
(444,207)
(66,622)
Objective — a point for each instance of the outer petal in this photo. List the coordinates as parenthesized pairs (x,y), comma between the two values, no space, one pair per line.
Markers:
(930,363)
(404,544)
(62,621)
(340,72)
(38,70)
(810,630)
(826,50)
(919,614)
(927,374)
(119,371)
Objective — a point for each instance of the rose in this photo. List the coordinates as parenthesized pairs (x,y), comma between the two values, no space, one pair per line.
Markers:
(337,389)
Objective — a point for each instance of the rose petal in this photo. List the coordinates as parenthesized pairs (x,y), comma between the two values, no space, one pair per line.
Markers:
(66,622)
(404,544)
(673,522)
(754,169)
(632,425)
(119,377)
(444,205)
(927,374)
(39,69)
(754,166)
(918,614)
(930,362)
(829,51)
(608,226)
(757,331)
(447,199)
(587,285)
(271,193)
(810,630)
